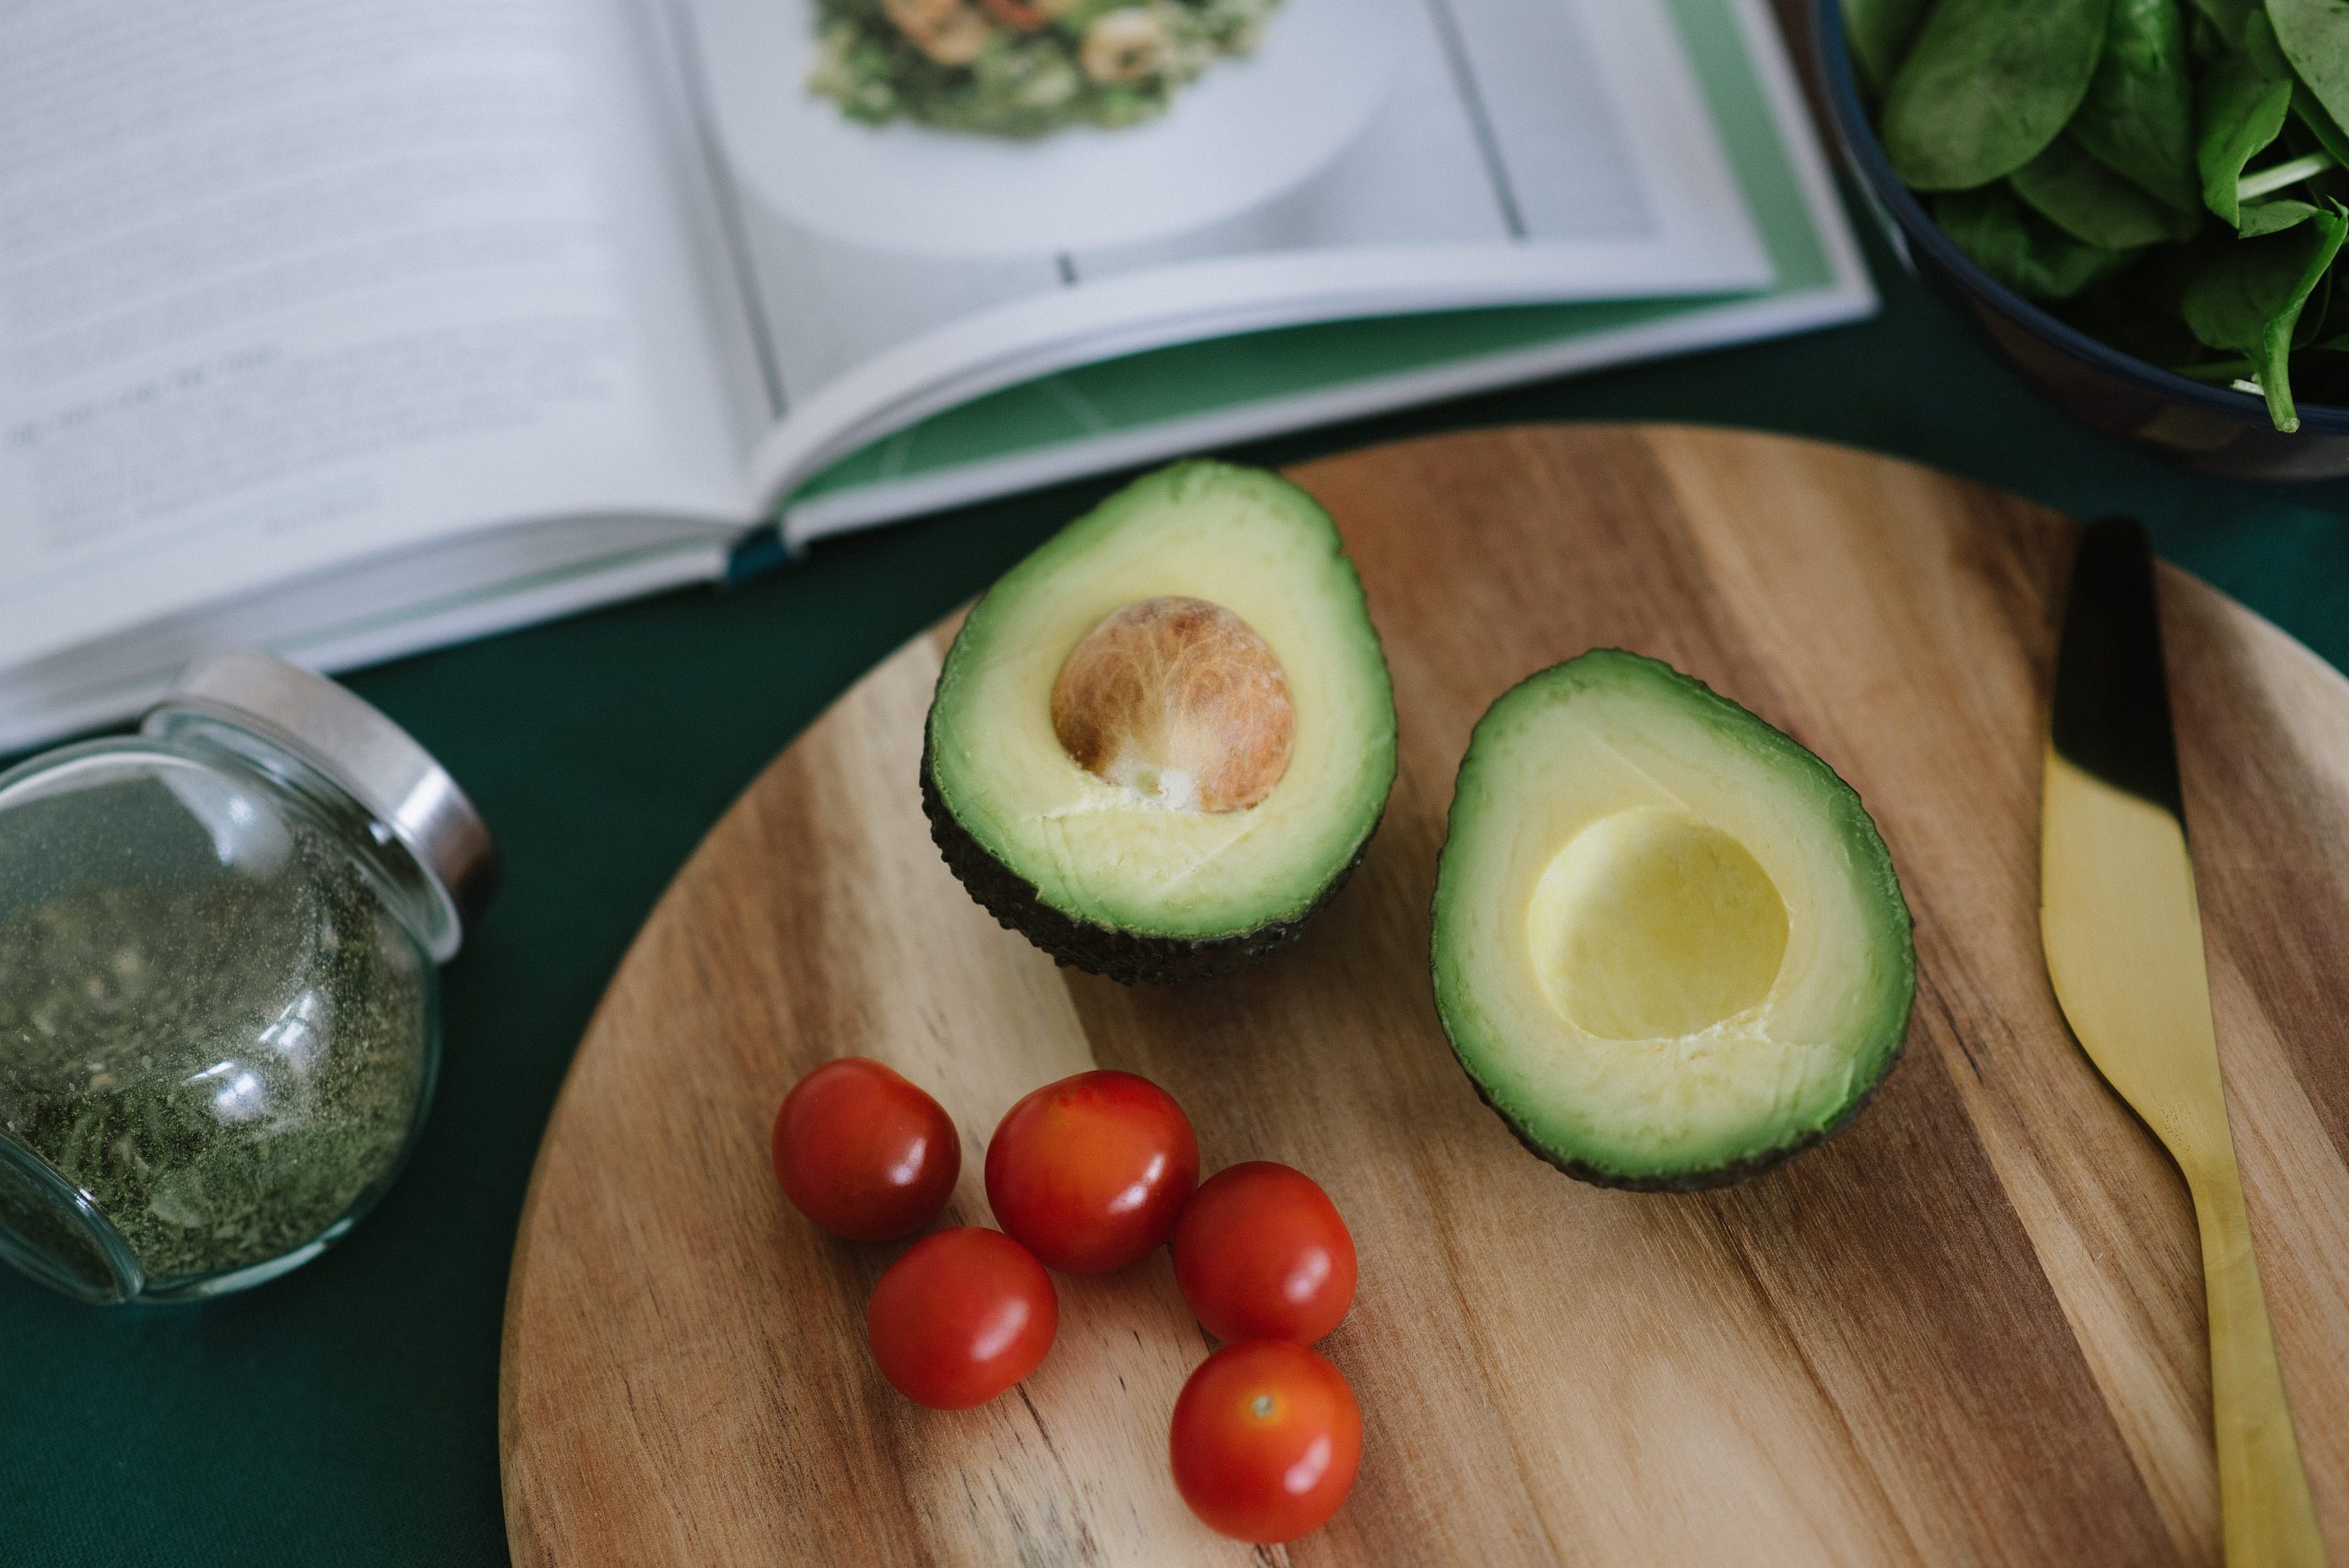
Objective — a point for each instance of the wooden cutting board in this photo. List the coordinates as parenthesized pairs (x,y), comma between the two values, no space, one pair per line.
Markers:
(1967,1330)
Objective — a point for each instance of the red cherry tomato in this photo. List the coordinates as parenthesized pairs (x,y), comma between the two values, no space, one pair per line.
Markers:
(865,1153)
(1091,1172)
(962,1317)
(1262,1254)
(1266,1441)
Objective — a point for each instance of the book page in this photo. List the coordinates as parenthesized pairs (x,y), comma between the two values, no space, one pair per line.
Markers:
(923,232)
(1120,413)
(283,285)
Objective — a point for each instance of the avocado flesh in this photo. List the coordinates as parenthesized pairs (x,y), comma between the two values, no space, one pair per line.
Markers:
(1669,949)
(1094,871)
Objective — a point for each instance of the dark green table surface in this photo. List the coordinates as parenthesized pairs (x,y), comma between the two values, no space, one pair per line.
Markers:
(347,1415)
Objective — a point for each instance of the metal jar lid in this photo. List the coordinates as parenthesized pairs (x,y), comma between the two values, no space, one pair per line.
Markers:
(334,730)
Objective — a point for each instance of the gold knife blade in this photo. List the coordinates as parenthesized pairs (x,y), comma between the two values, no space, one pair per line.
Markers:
(2124,938)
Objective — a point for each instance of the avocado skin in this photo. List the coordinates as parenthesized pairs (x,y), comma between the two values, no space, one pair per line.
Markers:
(1123,956)
(1753,1165)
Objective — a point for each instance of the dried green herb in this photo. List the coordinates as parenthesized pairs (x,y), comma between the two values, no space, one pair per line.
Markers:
(223,1068)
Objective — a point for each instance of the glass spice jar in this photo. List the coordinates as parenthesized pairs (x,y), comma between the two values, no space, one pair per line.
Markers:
(218,990)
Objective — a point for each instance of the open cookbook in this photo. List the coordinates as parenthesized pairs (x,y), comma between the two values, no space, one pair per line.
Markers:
(345,330)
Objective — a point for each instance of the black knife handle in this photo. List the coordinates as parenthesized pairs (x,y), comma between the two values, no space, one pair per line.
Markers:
(2112,710)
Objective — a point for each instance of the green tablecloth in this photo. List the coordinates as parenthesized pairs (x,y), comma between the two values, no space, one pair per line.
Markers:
(347,1414)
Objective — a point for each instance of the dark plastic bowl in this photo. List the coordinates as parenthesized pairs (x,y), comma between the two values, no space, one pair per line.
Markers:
(2211,429)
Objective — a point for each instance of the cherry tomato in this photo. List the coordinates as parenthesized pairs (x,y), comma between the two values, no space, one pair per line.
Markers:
(962,1317)
(1091,1172)
(865,1153)
(1262,1254)
(1266,1441)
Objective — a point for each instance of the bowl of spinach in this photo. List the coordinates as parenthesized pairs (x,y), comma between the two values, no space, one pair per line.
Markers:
(2142,203)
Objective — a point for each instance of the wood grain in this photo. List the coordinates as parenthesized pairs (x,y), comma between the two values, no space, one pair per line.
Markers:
(1967,1330)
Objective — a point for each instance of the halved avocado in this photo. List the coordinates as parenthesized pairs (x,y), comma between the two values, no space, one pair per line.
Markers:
(1164,740)
(1670,949)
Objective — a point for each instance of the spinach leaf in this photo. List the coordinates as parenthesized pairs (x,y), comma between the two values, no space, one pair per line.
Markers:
(2318,306)
(2319,124)
(2238,112)
(2334,323)
(2273,217)
(2028,255)
(2087,200)
(2264,50)
(2139,114)
(1988,85)
(1879,32)
(2315,38)
(2246,296)
(2227,17)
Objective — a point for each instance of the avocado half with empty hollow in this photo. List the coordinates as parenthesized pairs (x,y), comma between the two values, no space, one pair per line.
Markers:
(1164,740)
(1669,948)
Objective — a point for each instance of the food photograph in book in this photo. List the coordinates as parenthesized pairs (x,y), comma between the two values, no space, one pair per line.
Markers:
(901,166)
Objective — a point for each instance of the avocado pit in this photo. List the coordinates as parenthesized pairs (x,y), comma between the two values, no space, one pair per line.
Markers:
(1180,701)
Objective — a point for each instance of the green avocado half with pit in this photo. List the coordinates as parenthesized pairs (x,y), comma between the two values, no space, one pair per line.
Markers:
(1163,740)
(1669,946)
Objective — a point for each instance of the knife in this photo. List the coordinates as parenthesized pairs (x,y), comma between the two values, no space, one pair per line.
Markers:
(2124,940)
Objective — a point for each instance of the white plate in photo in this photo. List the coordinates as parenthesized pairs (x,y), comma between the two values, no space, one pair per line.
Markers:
(1249,129)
